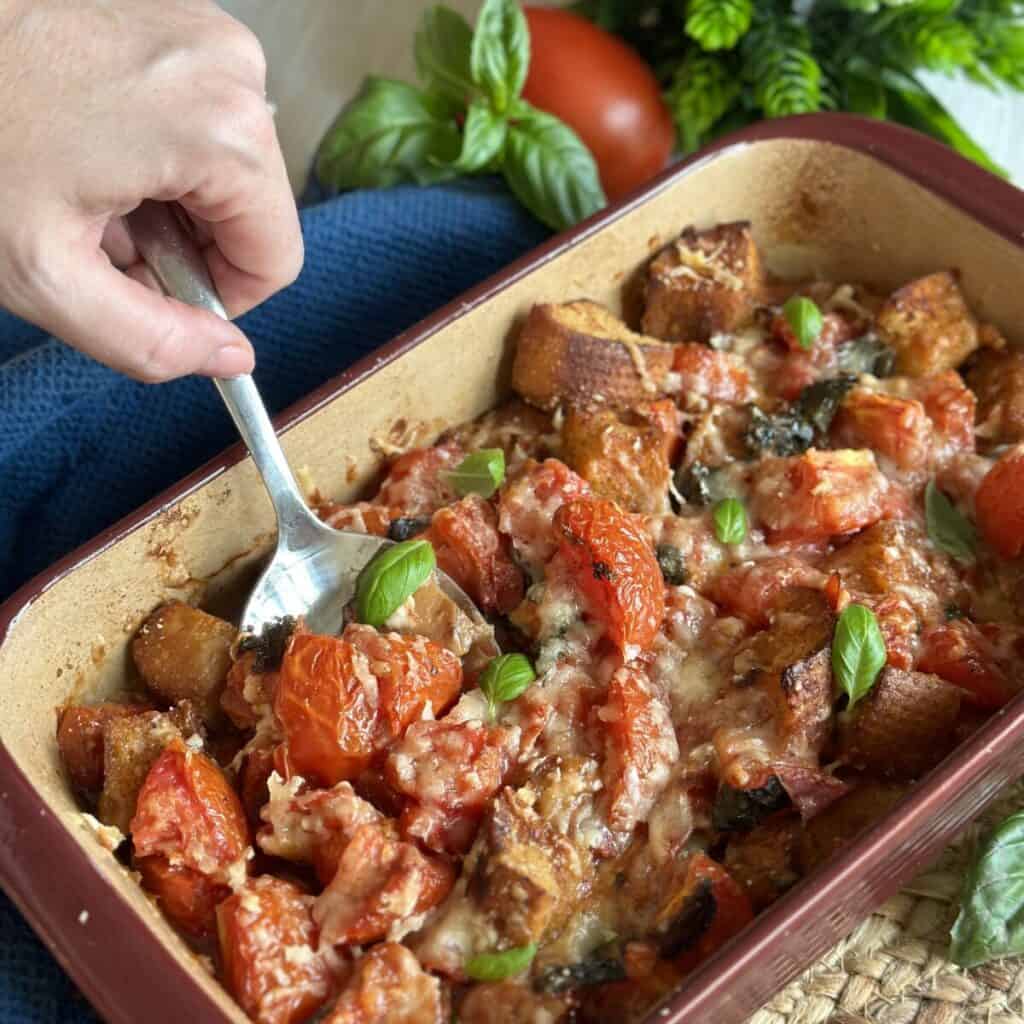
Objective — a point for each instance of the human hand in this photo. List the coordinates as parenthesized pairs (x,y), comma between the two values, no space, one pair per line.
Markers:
(107,103)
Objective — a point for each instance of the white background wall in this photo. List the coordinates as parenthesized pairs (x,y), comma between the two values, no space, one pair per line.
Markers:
(320,50)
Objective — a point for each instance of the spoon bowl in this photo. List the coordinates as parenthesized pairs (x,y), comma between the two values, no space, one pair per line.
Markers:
(314,569)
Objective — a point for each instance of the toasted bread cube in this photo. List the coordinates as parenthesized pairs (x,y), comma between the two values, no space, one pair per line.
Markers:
(185,654)
(997,379)
(929,326)
(903,727)
(704,283)
(622,457)
(130,746)
(582,353)
(844,820)
(763,860)
(80,731)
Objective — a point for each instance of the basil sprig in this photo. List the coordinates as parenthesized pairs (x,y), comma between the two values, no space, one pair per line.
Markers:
(949,530)
(499,966)
(504,679)
(804,317)
(730,519)
(858,652)
(468,118)
(480,473)
(390,577)
(990,923)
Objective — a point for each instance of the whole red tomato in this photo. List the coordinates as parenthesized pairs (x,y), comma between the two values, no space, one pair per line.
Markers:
(604,92)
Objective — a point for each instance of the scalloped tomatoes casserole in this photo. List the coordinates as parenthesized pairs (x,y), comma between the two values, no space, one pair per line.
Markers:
(753,569)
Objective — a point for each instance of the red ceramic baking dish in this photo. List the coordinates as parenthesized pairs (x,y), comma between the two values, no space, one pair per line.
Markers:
(849,198)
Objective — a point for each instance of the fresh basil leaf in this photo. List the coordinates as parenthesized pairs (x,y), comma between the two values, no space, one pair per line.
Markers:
(858,652)
(480,473)
(442,46)
(804,317)
(391,133)
(390,577)
(947,527)
(500,53)
(549,170)
(730,519)
(505,678)
(499,966)
(483,137)
(991,923)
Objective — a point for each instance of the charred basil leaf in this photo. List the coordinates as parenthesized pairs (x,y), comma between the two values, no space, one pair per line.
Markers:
(866,354)
(505,678)
(390,577)
(597,970)
(739,810)
(499,966)
(805,319)
(819,403)
(406,527)
(672,565)
(990,923)
(480,473)
(699,484)
(858,652)
(730,518)
(783,433)
(686,928)
(270,644)
(948,529)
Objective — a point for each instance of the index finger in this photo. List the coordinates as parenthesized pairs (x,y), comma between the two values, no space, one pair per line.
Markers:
(250,215)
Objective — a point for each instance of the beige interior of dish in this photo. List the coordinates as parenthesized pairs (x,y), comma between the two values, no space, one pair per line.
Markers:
(814,208)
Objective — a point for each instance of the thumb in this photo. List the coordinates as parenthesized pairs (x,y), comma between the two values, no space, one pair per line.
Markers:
(143,333)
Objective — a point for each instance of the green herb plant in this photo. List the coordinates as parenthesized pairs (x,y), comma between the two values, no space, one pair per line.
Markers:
(730,521)
(504,679)
(467,117)
(480,473)
(499,966)
(725,63)
(948,528)
(390,577)
(804,319)
(858,652)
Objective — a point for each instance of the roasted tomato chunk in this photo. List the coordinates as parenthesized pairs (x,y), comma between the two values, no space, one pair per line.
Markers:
(980,660)
(527,504)
(269,952)
(640,747)
(470,550)
(388,986)
(707,910)
(449,771)
(719,376)
(752,590)
(380,882)
(417,482)
(340,701)
(896,428)
(999,504)
(614,566)
(821,494)
(189,831)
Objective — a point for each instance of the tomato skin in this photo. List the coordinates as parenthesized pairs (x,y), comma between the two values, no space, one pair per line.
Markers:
(470,550)
(388,984)
(963,655)
(256,927)
(604,92)
(718,376)
(186,897)
(334,719)
(614,565)
(999,504)
(188,812)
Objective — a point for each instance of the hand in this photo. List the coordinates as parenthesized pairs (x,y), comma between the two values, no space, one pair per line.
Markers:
(107,103)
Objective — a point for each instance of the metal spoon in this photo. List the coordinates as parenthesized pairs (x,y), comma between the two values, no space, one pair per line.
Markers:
(314,569)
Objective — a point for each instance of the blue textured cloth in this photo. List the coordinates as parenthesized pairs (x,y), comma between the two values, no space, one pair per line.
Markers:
(81,446)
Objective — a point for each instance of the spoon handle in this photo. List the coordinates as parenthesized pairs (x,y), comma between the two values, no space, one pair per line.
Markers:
(169,250)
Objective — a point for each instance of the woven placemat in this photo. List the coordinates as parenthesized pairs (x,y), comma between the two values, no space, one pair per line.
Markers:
(892,969)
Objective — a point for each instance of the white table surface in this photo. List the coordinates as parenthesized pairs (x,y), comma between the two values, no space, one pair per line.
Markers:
(319,51)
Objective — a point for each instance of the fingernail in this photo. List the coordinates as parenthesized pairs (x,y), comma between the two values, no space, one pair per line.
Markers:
(229,361)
